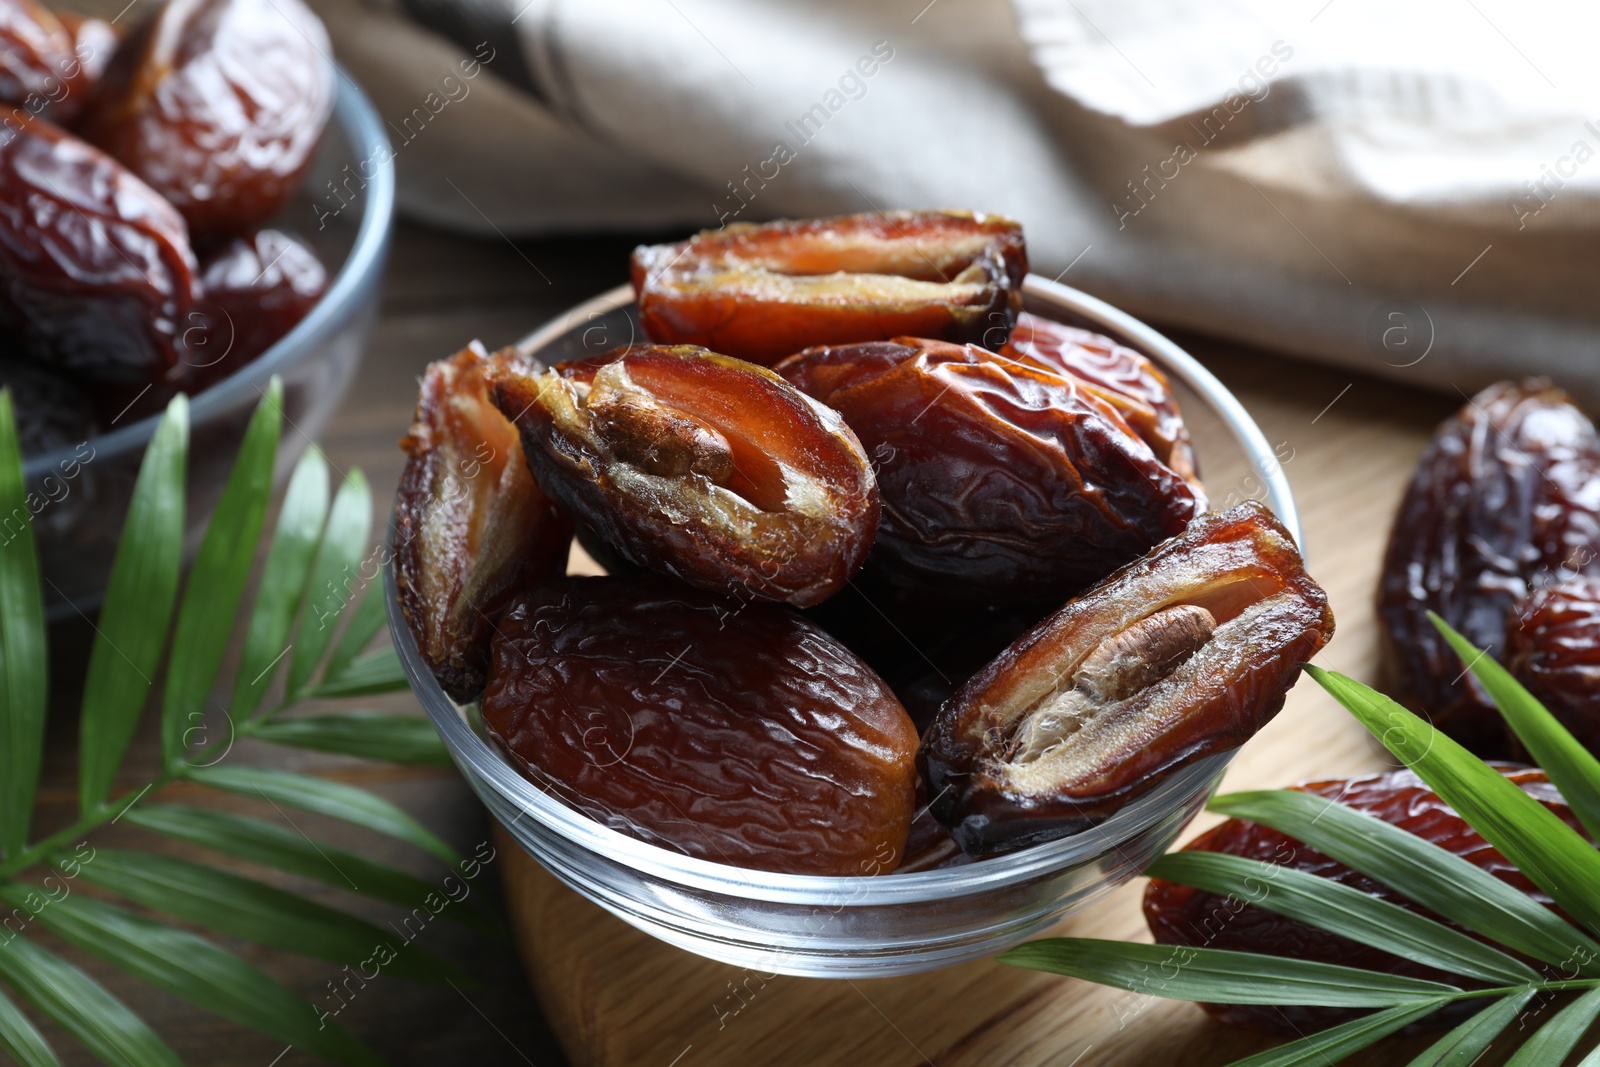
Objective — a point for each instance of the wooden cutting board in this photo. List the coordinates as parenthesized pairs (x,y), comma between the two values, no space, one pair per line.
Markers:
(617,997)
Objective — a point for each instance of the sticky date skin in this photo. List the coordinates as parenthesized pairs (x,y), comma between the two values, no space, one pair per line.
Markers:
(254,289)
(97,278)
(472,527)
(46,67)
(763,292)
(737,733)
(1503,502)
(707,468)
(1000,481)
(1182,915)
(1553,648)
(1182,654)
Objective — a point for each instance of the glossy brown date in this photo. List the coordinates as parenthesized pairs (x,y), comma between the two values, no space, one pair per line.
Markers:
(218,105)
(472,527)
(1181,915)
(763,292)
(737,733)
(46,66)
(1503,501)
(1182,654)
(97,278)
(1001,480)
(701,466)
(1553,647)
(1117,374)
(254,289)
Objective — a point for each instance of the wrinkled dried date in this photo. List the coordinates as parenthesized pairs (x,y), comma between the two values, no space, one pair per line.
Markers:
(1000,480)
(47,67)
(1117,374)
(97,278)
(218,105)
(1182,654)
(51,412)
(1181,915)
(705,467)
(737,733)
(762,292)
(1553,648)
(254,289)
(1503,501)
(472,527)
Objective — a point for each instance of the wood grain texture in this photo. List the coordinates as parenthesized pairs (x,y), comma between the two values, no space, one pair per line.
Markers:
(615,996)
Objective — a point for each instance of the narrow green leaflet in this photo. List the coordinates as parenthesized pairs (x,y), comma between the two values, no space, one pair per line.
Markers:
(1334,1044)
(24,667)
(1218,976)
(376,672)
(335,575)
(1423,872)
(21,1040)
(132,628)
(373,735)
(325,798)
(1340,909)
(82,1007)
(1543,847)
(240,907)
(283,580)
(286,849)
(1556,1039)
(365,622)
(217,578)
(1573,768)
(1466,1044)
(196,970)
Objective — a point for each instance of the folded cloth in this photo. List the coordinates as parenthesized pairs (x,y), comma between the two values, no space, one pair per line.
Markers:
(1406,189)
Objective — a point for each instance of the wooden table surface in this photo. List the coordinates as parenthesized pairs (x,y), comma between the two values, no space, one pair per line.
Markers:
(613,995)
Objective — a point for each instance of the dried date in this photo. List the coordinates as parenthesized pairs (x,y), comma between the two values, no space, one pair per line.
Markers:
(762,292)
(1553,647)
(254,289)
(218,105)
(51,412)
(701,466)
(97,278)
(1505,500)
(472,527)
(1182,915)
(737,733)
(1184,653)
(1000,480)
(41,69)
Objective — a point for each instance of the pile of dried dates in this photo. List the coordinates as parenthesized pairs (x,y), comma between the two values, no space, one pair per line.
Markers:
(136,174)
(899,577)
(1499,533)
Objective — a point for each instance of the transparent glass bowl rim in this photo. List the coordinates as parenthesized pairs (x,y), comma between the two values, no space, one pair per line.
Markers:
(480,760)
(363,129)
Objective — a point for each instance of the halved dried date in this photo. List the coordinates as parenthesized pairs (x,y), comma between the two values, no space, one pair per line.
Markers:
(762,292)
(1182,915)
(472,527)
(738,733)
(1505,500)
(254,289)
(701,466)
(1553,647)
(218,104)
(1000,479)
(1117,374)
(1182,654)
(96,274)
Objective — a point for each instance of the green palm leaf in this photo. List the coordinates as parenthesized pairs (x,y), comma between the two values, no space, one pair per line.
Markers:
(21,1040)
(334,577)
(1467,1043)
(23,665)
(1556,1039)
(375,735)
(365,622)
(1337,1042)
(376,672)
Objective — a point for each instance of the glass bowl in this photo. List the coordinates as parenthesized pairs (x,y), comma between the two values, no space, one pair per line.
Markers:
(849,927)
(82,492)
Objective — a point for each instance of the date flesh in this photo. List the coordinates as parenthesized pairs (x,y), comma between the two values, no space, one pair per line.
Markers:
(472,527)
(763,292)
(218,105)
(1505,500)
(1001,480)
(1553,647)
(1184,653)
(1182,915)
(1117,374)
(710,469)
(97,278)
(737,733)
(254,289)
